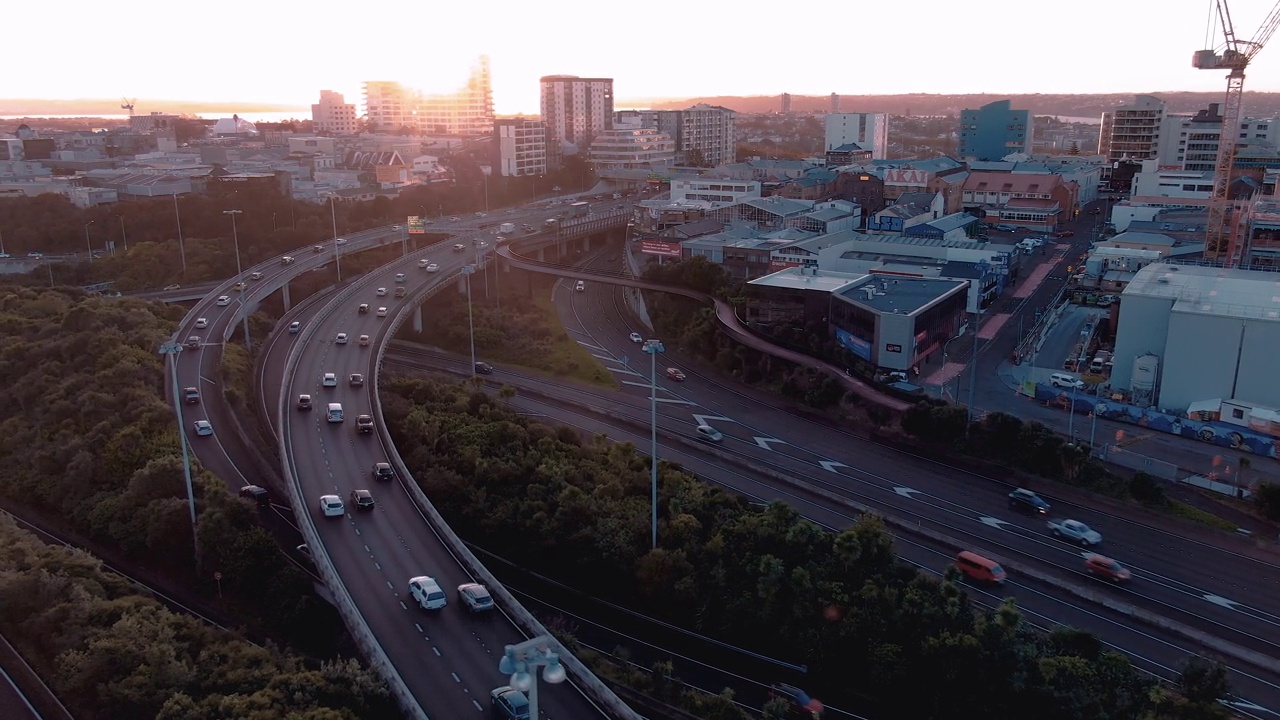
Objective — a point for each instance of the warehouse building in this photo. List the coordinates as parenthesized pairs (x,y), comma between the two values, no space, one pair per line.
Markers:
(1190,333)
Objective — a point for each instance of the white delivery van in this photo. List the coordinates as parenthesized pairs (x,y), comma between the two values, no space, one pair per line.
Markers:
(335,412)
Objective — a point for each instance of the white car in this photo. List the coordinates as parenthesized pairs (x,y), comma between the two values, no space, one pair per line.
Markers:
(204,427)
(255,276)
(381,292)
(331,506)
(382,312)
(364,341)
(427,593)
(342,241)
(636,337)
(201,323)
(224,300)
(476,597)
(1075,531)
(709,434)
(423,263)
(399,277)
(433,268)
(341,339)
(330,380)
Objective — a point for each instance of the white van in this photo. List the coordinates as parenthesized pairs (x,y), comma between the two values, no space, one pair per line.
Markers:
(1065,380)
(335,412)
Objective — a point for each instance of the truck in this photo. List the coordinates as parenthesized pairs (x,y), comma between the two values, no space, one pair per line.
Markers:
(579,209)
(506,228)
(1075,531)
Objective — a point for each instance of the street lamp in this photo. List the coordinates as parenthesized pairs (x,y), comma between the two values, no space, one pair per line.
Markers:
(1071,418)
(235,235)
(470,270)
(172,349)
(87,246)
(181,250)
(973,376)
(124,238)
(652,348)
(519,660)
(942,386)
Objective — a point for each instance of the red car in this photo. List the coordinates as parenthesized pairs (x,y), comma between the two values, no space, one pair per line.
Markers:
(675,374)
(1106,568)
(1066,233)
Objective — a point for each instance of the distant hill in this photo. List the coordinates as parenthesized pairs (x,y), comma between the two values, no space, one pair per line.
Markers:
(97,107)
(1257,104)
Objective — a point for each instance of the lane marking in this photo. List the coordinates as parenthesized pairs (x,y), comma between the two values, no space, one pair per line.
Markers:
(996,523)
(706,419)
(907,492)
(831,465)
(764,442)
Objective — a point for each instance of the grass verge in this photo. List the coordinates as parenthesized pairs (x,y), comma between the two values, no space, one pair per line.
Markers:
(1195,514)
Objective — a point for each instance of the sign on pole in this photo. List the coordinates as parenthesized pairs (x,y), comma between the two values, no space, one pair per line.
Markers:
(417,225)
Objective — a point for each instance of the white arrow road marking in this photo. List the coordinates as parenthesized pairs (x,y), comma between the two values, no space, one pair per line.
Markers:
(996,523)
(706,419)
(764,442)
(831,465)
(1245,705)
(1219,600)
(674,401)
(625,371)
(906,492)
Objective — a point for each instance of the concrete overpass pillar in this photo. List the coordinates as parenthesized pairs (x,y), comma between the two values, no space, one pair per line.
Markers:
(541,255)
(284,291)
(417,319)
(586,243)
(462,284)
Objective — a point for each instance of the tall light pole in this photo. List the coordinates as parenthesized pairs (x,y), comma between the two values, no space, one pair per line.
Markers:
(124,238)
(87,245)
(470,270)
(973,375)
(518,660)
(1071,417)
(182,252)
(172,349)
(235,235)
(333,215)
(653,347)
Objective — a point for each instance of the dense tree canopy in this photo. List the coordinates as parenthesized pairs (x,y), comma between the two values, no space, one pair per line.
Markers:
(866,625)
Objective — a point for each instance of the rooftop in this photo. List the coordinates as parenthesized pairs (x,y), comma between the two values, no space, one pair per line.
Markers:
(806,279)
(1143,238)
(900,295)
(947,223)
(1209,290)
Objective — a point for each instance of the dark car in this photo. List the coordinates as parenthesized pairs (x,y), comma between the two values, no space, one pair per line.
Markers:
(191,395)
(484,368)
(383,471)
(1028,502)
(256,493)
(362,499)
(509,703)
(800,704)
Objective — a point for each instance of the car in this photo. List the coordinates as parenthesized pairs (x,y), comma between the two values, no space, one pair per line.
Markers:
(484,368)
(401,291)
(203,427)
(331,506)
(34,254)
(433,268)
(399,277)
(580,286)
(636,337)
(480,215)
(397,227)
(675,374)
(381,292)
(427,593)
(329,380)
(709,434)
(364,341)
(1104,567)
(202,323)
(193,342)
(317,248)
(1076,532)
(800,703)
(1065,233)
(459,247)
(364,424)
(423,263)
(357,380)
(475,597)
(363,309)
(255,276)
(191,396)
(1005,228)
(454,218)
(1026,501)
(341,241)
(256,493)
(305,551)
(341,339)
(383,472)
(239,287)
(304,402)
(362,499)
(174,286)
(382,312)
(294,327)
(286,260)
(224,300)
(1065,381)
(509,703)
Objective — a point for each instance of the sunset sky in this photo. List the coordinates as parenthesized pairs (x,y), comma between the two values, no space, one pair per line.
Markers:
(284,52)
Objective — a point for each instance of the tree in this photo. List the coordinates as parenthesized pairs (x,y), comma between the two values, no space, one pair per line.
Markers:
(1266,498)
(1203,681)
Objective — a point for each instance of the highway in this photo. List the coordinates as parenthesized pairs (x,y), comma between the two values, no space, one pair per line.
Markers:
(1224,593)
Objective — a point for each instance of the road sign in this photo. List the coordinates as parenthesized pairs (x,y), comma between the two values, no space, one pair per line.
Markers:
(217,576)
(417,225)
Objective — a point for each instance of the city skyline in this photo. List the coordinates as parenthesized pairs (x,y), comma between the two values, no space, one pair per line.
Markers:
(1054,53)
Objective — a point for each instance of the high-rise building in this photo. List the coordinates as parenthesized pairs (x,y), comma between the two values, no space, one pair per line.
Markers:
(632,145)
(333,114)
(520,146)
(1190,142)
(835,103)
(576,109)
(1131,132)
(995,130)
(786,103)
(388,105)
(469,111)
(870,131)
(705,135)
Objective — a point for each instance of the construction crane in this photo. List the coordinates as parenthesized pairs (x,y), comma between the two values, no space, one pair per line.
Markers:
(1235,55)
(127,104)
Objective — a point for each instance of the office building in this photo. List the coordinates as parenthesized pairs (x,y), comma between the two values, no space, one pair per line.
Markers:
(520,146)
(467,112)
(704,135)
(995,131)
(1190,142)
(835,103)
(786,103)
(869,131)
(388,105)
(576,109)
(1131,132)
(631,146)
(333,115)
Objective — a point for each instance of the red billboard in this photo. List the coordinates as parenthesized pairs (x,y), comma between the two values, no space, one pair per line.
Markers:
(658,247)
(776,263)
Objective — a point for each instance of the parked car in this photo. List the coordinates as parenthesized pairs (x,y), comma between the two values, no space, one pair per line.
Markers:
(1075,531)
(475,597)
(1028,502)
(1065,233)
(1104,567)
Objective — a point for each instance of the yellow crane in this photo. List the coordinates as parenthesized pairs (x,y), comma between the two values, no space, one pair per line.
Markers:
(1233,55)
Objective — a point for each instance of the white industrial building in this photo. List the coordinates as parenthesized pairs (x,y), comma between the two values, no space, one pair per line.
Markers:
(1190,333)
(334,115)
(870,131)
